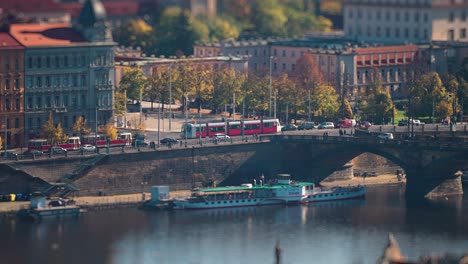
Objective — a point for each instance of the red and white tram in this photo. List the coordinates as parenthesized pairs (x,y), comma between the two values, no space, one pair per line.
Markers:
(100,141)
(73,143)
(231,128)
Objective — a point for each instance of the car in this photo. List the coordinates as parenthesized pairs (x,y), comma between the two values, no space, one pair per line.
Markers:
(403,123)
(289,127)
(168,141)
(415,122)
(306,126)
(445,122)
(87,148)
(221,137)
(57,150)
(365,124)
(326,125)
(9,155)
(33,152)
(385,136)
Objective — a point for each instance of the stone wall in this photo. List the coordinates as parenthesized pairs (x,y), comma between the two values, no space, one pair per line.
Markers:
(181,168)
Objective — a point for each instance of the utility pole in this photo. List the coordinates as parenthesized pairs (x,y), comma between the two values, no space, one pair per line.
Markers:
(275,106)
(234,106)
(269,104)
(170,98)
(199,122)
(141,103)
(159,121)
(185,124)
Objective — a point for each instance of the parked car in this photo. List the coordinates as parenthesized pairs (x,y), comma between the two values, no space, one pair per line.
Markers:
(346,123)
(306,126)
(33,152)
(9,155)
(221,137)
(87,148)
(415,122)
(57,150)
(385,136)
(289,127)
(169,141)
(326,125)
(365,124)
(403,123)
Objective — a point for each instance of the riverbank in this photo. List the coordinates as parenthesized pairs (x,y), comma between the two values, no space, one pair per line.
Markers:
(8,209)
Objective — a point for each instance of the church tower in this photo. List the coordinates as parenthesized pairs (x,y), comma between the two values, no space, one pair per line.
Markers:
(92,22)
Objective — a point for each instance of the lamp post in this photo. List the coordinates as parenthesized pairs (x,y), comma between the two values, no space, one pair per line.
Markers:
(185,124)
(269,104)
(170,97)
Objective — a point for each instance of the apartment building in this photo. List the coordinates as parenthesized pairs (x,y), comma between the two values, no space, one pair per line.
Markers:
(406,21)
(69,71)
(11,91)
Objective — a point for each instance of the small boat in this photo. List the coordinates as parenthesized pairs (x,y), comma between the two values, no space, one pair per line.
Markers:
(337,193)
(280,191)
(58,208)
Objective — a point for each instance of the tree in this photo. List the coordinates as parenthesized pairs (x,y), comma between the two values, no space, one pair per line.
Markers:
(289,97)
(345,110)
(59,136)
(158,87)
(109,130)
(48,130)
(428,92)
(269,18)
(133,81)
(120,103)
(136,33)
(1,142)
(325,101)
(80,127)
(256,93)
(378,107)
(225,83)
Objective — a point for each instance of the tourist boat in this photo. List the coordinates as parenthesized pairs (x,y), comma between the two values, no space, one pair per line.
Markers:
(280,191)
(337,193)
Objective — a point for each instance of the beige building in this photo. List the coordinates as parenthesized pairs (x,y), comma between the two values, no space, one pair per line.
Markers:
(406,21)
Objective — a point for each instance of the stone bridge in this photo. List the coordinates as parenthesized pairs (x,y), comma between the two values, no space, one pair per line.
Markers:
(432,167)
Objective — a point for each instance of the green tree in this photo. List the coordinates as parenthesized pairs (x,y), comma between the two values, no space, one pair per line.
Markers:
(158,87)
(378,108)
(428,92)
(133,81)
(345,110)
(136,32)
(1,142)
(325,101)
(226,81)
(269,18)
(176,33)
(256,94)
(120,102)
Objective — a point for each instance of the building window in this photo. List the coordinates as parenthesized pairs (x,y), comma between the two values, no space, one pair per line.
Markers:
(416,17)
(463,16)
(7,104)
(17,104)
(38,122)
(47,81)
(65,121)
(275,66)
(48,102)
(284,66)
(65,61)
(83,80)
(47,62)
(406,16)
(7,84)
(425,17)
(378,15)
(17,64)
(74,101)
(56,101)
(8,123)
(397,16)
(17,84)
(406,32)
(387,32)
(369,15)
(65,80)
(65,100)
(39,62)
(39,81)
(426,35)
(57,61)
(359,14)
(463,33)
(275,53)
(83,101)
(387,16)
(451,17)
(75,80)
(293,67)
(350,30)
(397,32)
(30,63)
(451,35)
(30,104)
(293,53)
(369,33)
(7,63)
(378,32)
(416,33)
(16,122)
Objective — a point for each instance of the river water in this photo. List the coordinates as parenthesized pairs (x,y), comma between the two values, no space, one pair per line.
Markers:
(337,232)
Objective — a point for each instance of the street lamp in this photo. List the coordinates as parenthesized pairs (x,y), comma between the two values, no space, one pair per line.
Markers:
(170,97)
(269,104)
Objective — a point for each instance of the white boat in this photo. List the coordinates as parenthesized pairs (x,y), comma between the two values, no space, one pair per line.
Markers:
(281,191)
(337,193)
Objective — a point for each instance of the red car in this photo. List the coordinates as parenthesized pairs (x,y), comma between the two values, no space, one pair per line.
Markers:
(365,125)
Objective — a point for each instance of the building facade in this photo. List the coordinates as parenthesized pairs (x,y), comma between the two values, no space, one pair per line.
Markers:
(11,91)
(406,21)
(69,72)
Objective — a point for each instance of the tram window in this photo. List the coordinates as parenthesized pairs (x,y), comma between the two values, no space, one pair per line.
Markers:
(230,201)
(268,124)
(234,126)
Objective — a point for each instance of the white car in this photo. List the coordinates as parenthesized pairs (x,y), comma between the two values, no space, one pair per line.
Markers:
(385,136)
(416,122)
(221,137)
(326,125)
(88,148)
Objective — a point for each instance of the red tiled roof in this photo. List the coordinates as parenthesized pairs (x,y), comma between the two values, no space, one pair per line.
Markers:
(112,8)
(8,42)
(54,34)
(29,6)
